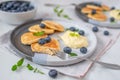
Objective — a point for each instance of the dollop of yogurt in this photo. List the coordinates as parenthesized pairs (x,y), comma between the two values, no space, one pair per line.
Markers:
(74,40)
(115,14)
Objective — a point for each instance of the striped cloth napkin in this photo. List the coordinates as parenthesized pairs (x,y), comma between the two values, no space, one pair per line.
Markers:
(81,69)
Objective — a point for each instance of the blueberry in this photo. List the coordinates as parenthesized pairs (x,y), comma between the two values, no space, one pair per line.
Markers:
(25,4)
(9,5)
(81,32)
(112,19)
(112,8)
(98,4)
(53,73)
(72,28)
(16,5)
(42,25)
(30,7)
(83,50)
(67,50)
(95,29)
(48,39)
(106,33)
(42,41)
(93,12)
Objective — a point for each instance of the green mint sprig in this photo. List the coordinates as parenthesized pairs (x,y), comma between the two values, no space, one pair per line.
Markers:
(39,33)
(60,13)
(29,67)
(35,70)
(73,54)
(18,64)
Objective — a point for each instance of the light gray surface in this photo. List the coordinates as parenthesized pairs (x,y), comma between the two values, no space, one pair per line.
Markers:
(96,73)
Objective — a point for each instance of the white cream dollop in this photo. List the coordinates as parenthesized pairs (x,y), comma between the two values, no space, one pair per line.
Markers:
(74,40)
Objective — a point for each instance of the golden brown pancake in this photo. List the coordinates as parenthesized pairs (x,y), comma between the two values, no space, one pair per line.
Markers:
(53,25)
(105,8)
(94,7)
(86,10)
(28,38)
(36,28)
(53,45)
(99,17)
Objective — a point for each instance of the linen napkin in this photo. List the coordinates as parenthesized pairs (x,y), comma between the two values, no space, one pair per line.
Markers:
(79,69)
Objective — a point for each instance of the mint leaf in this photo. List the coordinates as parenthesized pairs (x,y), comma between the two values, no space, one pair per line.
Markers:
(20,62)
(40,72)
(56,9)
(29,67)
(60,12)
(35,70)
(39,33)
(73,54)
(67,17)
(14,67)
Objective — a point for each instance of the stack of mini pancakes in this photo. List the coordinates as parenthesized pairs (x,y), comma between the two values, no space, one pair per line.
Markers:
(95,12)
(51,27)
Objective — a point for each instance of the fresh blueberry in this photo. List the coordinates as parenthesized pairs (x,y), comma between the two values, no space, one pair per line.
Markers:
(95,29)
(67,50)
(9,5)
(98,4)
(42,25)
(81,32)
(16,5)
(112,8)
(25,4)
(93,12)
(30,7)
(53,73)
(42,41)
(72,28)
(106,33)
(48,39)
(112,19)
(83,50)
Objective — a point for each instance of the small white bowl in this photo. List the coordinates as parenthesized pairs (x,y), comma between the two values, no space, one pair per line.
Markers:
(16,18)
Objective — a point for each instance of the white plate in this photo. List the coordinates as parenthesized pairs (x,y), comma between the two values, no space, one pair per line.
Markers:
(56,61)
(44,59)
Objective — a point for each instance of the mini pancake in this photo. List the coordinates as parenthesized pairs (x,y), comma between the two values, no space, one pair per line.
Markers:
(105,8)
(86,10)
(53,45)
(53,25)
(28,38)
(99,17)
(94,7)
(36,28)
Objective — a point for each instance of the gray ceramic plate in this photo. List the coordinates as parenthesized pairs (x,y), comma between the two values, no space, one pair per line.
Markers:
(44,59)
(95,22)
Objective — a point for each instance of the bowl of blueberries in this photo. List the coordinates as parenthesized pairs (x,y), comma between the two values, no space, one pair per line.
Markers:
(17,11)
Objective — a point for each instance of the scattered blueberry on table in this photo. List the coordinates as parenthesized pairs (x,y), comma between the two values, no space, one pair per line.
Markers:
(16,6)
(95,29)
(106,33)
(67,50)
(83,50)
(53,73)
(42,25)
(81,32)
